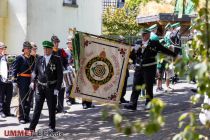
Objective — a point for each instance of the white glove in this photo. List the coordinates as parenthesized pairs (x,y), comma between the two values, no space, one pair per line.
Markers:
(56,92)
(32,85)
(14,84)
(171,66)
(136,47)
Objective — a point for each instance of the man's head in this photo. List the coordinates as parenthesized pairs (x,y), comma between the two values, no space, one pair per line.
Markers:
(2,48)
(55,40)
(48,46)
(26,48)
(69,44)
(34,48)
(145,34)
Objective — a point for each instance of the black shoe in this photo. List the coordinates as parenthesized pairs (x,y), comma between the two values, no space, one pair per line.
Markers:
(22,121)
(58,110)
(85,106)
(2,115)
(10,115)
(27,120)
(123,101)
(52,130)
(28,128)
(130,107)
(194,90)
(68,103)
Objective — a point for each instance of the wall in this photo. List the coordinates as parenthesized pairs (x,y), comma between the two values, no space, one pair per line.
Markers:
(3,15)
(2,30)
(3,8)
(49,17)
(16,25)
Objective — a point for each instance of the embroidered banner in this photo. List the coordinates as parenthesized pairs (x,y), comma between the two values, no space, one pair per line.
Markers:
(102,69)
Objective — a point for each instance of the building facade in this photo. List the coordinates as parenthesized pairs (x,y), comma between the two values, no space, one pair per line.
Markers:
(38,20)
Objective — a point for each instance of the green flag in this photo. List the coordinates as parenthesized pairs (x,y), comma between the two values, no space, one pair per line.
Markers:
(76,50)
(179,8)
(184,7)
(190,8)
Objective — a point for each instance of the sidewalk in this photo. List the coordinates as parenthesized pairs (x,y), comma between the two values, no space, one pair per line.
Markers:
(88,124)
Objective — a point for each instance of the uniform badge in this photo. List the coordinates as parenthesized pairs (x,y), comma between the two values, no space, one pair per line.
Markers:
(52,67)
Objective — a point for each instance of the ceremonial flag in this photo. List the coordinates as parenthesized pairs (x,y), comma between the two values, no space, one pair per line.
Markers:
(76,49)
(102,69)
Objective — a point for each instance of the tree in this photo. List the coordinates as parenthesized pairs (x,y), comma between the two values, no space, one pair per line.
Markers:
(201,71)
(121,21)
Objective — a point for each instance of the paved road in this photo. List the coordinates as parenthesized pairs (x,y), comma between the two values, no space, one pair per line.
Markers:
(88,124)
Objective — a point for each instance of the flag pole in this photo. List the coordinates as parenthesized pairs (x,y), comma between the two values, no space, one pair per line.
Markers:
(102,37)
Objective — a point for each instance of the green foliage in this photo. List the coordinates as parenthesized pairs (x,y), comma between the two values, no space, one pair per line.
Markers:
(189,132)
(121,21)
(153,125)
(200,68)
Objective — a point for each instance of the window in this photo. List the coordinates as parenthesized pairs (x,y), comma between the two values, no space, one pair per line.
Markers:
(113,3)
(71,3)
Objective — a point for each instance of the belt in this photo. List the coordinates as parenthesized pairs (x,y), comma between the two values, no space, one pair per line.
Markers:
(177,47)
(24,75)
(146,65)
(48,83)
(149,64)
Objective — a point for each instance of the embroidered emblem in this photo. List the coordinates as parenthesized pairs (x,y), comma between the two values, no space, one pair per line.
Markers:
(52,67)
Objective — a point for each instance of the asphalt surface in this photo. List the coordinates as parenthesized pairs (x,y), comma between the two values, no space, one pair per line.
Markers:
(88,124)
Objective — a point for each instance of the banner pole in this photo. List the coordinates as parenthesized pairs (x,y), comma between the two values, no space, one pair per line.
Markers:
(114,40)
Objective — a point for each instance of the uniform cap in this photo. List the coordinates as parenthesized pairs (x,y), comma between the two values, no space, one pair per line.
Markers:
(33,45)
(2,45)
(153,27)
(47,44)
(168,26)
(54,38)
(175,25)
(27,44)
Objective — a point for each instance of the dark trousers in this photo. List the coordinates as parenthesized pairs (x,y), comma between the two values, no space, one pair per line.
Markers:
(143,76)
(68,92)
(25,98)
(178,51)
(60,99)
(5,97)
(125,85)
(48,94)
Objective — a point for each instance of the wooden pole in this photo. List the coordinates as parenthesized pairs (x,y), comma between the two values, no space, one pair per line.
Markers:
(106,38)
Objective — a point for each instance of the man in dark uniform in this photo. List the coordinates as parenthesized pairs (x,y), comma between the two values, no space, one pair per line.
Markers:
(6,87)
(36,56)
(48,72)
(22,69)
(175,38)
(63,56)
(145,71)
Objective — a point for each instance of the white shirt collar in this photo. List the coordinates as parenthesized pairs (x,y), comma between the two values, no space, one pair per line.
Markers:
(145,43)
(47,59)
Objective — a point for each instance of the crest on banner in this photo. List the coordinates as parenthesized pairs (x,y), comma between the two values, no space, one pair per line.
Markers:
(102,68)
